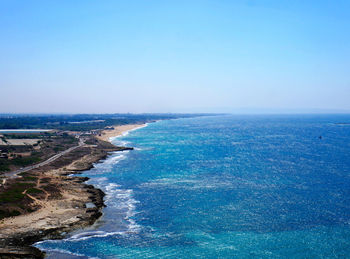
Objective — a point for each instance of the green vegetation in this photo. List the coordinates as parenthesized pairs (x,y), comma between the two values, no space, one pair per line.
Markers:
(34,191)
(91,141)
(7,213)
(15,192)
(29,178)
(70,140)
(4,166)
(19,161)
(58,148)
(23,136)
(24,161)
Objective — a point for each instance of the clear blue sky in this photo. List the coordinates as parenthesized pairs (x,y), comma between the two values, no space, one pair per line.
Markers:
(174,56)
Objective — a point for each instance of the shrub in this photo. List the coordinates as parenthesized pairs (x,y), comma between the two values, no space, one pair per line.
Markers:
(34,190)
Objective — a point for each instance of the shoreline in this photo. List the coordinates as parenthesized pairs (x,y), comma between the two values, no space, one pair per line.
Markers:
(118,131)
(64,208)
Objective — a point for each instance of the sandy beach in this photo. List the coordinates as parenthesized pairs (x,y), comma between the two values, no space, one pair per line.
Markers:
(118,130)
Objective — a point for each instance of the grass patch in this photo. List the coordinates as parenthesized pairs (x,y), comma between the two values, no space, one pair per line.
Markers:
(34,191)
(15,192)
(29,178)
(18,161)
(58,148)
(11,196)
(4,167)
(24,161)
(6,213)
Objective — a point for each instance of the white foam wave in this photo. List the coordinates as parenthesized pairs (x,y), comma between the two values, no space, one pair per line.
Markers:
(62,251)
(118,142)
(101,179)
(114,159)
(107,165)
(92,234)
(132,229)
(97,234)
(122,200)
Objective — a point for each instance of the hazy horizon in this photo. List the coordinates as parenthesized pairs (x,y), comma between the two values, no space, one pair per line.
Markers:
(174,57)
(223,111)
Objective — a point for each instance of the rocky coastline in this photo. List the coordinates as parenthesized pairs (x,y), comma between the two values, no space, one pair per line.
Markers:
(63,210)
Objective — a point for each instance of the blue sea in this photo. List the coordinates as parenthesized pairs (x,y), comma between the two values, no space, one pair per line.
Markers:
(223,187)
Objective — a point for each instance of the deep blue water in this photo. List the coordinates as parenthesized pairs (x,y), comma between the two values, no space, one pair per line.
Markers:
(224,187)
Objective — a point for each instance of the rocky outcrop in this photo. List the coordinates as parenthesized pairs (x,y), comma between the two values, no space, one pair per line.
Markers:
(19,245)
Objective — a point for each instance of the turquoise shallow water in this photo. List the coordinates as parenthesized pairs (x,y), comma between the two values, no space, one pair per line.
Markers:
(223,187)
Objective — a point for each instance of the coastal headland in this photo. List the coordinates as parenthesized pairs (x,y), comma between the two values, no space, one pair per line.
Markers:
(52,200)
